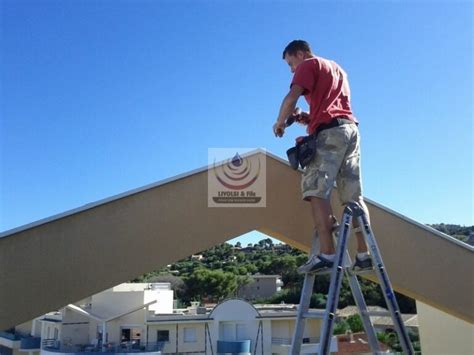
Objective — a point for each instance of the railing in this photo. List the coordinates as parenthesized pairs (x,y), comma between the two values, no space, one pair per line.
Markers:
(287,341)
(11,335)
(53,345)
(281,341)
(143,347)
(238,346)
(50,344)
(30,343)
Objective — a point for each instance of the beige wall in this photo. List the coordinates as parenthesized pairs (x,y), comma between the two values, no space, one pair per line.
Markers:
(285,328)
(133,320)
(442,334)
(200,337)
(122,238)
(281,328)
(170,347)
(75,328)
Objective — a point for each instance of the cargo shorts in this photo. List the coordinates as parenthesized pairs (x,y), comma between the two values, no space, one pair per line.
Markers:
(337,159)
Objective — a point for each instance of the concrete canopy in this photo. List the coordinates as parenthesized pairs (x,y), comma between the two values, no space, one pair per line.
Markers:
(51,263)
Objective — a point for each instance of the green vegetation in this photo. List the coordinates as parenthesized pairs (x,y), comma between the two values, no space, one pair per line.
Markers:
(459,232)
(390,338)
(355,323)
(219,272)
(340,327)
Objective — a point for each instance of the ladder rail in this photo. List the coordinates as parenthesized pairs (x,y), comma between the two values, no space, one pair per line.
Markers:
(303,307)
(305,301)
(386,286)
(363,311)
(337,275)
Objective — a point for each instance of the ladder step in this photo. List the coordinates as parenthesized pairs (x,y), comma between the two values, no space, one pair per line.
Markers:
(320,272)
(361,272)
(314,314)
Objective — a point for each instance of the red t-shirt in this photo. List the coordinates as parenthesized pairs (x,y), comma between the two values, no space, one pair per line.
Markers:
(326,89)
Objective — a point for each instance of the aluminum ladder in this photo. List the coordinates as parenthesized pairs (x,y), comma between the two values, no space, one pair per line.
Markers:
(342,265)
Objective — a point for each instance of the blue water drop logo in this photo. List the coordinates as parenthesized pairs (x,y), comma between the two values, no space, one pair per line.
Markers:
(237,160)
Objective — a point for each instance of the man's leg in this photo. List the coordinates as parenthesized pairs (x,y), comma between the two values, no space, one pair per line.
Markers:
(361,244)
(316,184)
(349,184)
(323,222)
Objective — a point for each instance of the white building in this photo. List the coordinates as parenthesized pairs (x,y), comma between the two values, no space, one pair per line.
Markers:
(120,313)
(233,326)
(139,318)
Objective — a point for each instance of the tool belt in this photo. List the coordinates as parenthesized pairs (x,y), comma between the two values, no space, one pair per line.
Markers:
(305,148)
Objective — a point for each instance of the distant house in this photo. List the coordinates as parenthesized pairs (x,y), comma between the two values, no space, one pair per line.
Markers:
(197,257)
(262,286)
(248,249)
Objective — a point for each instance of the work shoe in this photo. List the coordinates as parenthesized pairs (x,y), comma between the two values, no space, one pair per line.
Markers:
(362,265)
(315,263)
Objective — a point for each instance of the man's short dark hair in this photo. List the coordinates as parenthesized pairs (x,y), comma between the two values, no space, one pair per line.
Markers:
(295,46)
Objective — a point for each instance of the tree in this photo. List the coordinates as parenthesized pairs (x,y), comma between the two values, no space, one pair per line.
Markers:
(240,257)
(340,327)
(242,270)
(388,338)
(355,323)
(243,280)
(291,296)
(212,284)
(251,268)
(265,243)
(318,300)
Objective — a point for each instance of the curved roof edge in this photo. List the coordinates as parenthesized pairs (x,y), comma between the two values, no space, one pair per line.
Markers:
(234,299)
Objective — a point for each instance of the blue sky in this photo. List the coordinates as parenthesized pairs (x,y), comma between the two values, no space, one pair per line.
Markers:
(100,97)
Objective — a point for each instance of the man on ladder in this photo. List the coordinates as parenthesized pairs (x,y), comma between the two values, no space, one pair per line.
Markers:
(331,153)
(325,86)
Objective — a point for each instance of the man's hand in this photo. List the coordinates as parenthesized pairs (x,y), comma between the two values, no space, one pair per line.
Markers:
(297,116)
(303,118)
(279,129)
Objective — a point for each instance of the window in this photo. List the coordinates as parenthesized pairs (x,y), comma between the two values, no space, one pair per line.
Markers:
(163,335)
(241,332)
(190,335)
(227,332)
(230,331)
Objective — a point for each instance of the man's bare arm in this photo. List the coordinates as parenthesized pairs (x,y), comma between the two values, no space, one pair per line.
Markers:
(287,107)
